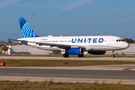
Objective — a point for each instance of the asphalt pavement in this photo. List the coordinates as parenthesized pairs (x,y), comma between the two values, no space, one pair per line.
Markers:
(70,58)
(110,74)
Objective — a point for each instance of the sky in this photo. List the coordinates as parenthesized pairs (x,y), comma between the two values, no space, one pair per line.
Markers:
(68,17)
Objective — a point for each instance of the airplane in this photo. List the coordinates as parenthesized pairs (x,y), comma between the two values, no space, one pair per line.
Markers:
(70,45)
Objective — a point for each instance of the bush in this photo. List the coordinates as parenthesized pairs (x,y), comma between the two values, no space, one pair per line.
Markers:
(26,81)
(50,81)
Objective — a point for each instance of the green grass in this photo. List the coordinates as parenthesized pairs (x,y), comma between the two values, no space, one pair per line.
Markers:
(47,63)
(22,85)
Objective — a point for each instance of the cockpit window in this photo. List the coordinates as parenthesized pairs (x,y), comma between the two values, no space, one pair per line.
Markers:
(118,40)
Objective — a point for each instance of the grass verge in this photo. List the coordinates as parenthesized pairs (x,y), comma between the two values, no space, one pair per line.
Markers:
(48,63)
(22,85)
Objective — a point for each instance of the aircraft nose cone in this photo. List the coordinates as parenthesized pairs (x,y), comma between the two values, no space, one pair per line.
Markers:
(127,45)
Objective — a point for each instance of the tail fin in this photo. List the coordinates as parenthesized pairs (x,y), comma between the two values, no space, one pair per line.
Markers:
(26,30)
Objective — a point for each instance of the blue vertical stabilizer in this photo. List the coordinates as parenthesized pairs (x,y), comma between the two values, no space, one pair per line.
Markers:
(26,30)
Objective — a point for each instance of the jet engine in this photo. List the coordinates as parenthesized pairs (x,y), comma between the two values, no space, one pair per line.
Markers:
(76,51)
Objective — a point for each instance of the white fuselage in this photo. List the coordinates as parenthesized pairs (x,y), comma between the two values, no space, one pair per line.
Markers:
(101,43)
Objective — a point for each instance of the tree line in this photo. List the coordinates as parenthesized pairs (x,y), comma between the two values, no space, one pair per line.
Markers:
(4,48)
(129,40)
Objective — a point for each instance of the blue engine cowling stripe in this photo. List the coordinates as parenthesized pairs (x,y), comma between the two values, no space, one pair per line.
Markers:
(75,51)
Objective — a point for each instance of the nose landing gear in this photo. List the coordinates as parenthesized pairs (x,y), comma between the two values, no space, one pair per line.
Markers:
(112,54)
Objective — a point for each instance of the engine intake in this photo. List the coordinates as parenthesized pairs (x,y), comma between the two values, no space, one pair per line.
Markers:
(76,51)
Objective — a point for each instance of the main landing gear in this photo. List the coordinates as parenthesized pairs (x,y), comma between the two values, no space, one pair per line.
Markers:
(112,54)
(66,55)
(80,55)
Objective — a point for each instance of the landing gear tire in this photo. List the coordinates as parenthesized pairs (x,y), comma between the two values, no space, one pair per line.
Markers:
(80,55)
(113,55)
(65,55)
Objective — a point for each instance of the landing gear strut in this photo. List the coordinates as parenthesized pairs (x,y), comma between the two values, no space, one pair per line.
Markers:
(112,54)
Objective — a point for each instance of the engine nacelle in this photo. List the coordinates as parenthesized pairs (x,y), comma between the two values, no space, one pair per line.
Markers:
(97,52)
(76,51)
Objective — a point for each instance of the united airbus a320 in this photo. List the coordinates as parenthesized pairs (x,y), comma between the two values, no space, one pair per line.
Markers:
(70,45)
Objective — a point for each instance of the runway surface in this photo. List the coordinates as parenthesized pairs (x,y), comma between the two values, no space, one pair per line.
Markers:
(61,58)
(98,72)
(67,73)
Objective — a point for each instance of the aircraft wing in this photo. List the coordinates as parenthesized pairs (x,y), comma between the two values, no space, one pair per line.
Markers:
(52,44)
(42,43)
